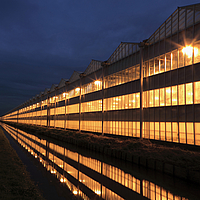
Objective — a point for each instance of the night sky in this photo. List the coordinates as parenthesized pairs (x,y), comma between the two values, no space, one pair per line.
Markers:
(42,41)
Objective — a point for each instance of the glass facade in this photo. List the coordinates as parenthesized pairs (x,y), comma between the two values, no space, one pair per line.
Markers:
(113,98)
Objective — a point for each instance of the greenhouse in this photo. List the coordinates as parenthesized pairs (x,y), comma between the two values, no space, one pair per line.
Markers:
(148,89)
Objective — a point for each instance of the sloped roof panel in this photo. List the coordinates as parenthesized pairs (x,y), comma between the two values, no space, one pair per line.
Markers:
(183,17)
(62,82)
(53,87)
(93,66)
(75,76)
(123,50)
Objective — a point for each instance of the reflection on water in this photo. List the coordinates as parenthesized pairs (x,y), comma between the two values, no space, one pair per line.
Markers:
(89,177)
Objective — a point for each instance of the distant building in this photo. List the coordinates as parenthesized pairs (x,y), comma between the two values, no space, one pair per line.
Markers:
(113,97)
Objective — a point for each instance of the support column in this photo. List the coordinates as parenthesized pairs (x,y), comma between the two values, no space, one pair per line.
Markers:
(141,45)
(102,99)
(81,75)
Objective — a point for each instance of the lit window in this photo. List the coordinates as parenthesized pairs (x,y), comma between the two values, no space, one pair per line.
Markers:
(168,96)
(162,97)
(174,95)
(189,93)
(156,98)
(196,92)
(181,94)
(151,98)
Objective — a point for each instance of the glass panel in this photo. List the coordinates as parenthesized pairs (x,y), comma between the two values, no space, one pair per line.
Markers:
(120,77)
(197,133)
(137,99)
(197,92)
(162,63)
(151,98)
(168,96)
(126,102)
(162,131)
(188,54)
(197,53)
(168,61)
(130,74)
(174,56)
(168,132)
(126,76)
(181,58)
(189,93)
(157,98)
(151,67)
(133,73)
(137,71)
(181,94)
(175,131)
(190,133)
(182,132)
(174,95)
(146,69)
(157,137)
(162,97)
(151,130)
(157,65)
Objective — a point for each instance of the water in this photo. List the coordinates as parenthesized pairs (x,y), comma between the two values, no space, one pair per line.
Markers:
(90,175)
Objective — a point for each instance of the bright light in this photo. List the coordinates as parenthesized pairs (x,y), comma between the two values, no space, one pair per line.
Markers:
(75,192)
(188,51)
(195,51)
(168,91)
(77,89)
(98,192)
(53,171)
(61,180)
(97,82)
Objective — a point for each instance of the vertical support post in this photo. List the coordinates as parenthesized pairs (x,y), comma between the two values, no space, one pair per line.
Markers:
(55,109)
(81,75)
(141,45)
(102,99)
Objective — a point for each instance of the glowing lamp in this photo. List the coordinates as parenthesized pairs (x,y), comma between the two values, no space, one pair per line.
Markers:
(77,89)
(188,51)
(75,192)
(97,82)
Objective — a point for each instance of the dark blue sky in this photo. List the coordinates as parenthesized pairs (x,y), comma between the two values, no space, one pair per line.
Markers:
(42,41)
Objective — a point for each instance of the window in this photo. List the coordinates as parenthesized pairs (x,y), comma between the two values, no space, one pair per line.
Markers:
(168,61)
(162,63)
(151,67)
(174,95)
(174,56)
(181,58)
(162,97)
(168,96)
(181,94)
(156,98)
(157,65)
(151,98)
(189,93)
(196,92)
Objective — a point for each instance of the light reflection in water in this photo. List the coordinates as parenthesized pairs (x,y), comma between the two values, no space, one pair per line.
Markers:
(99,178)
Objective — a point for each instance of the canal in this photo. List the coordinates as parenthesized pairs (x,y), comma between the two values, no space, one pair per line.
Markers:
(90,175)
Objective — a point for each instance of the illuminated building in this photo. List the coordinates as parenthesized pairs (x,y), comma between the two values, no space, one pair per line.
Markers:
(114,97)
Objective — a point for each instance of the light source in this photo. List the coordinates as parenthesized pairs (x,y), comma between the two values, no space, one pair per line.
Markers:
(188,51)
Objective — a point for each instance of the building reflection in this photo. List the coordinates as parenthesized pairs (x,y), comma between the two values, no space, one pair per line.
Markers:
(88,177)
